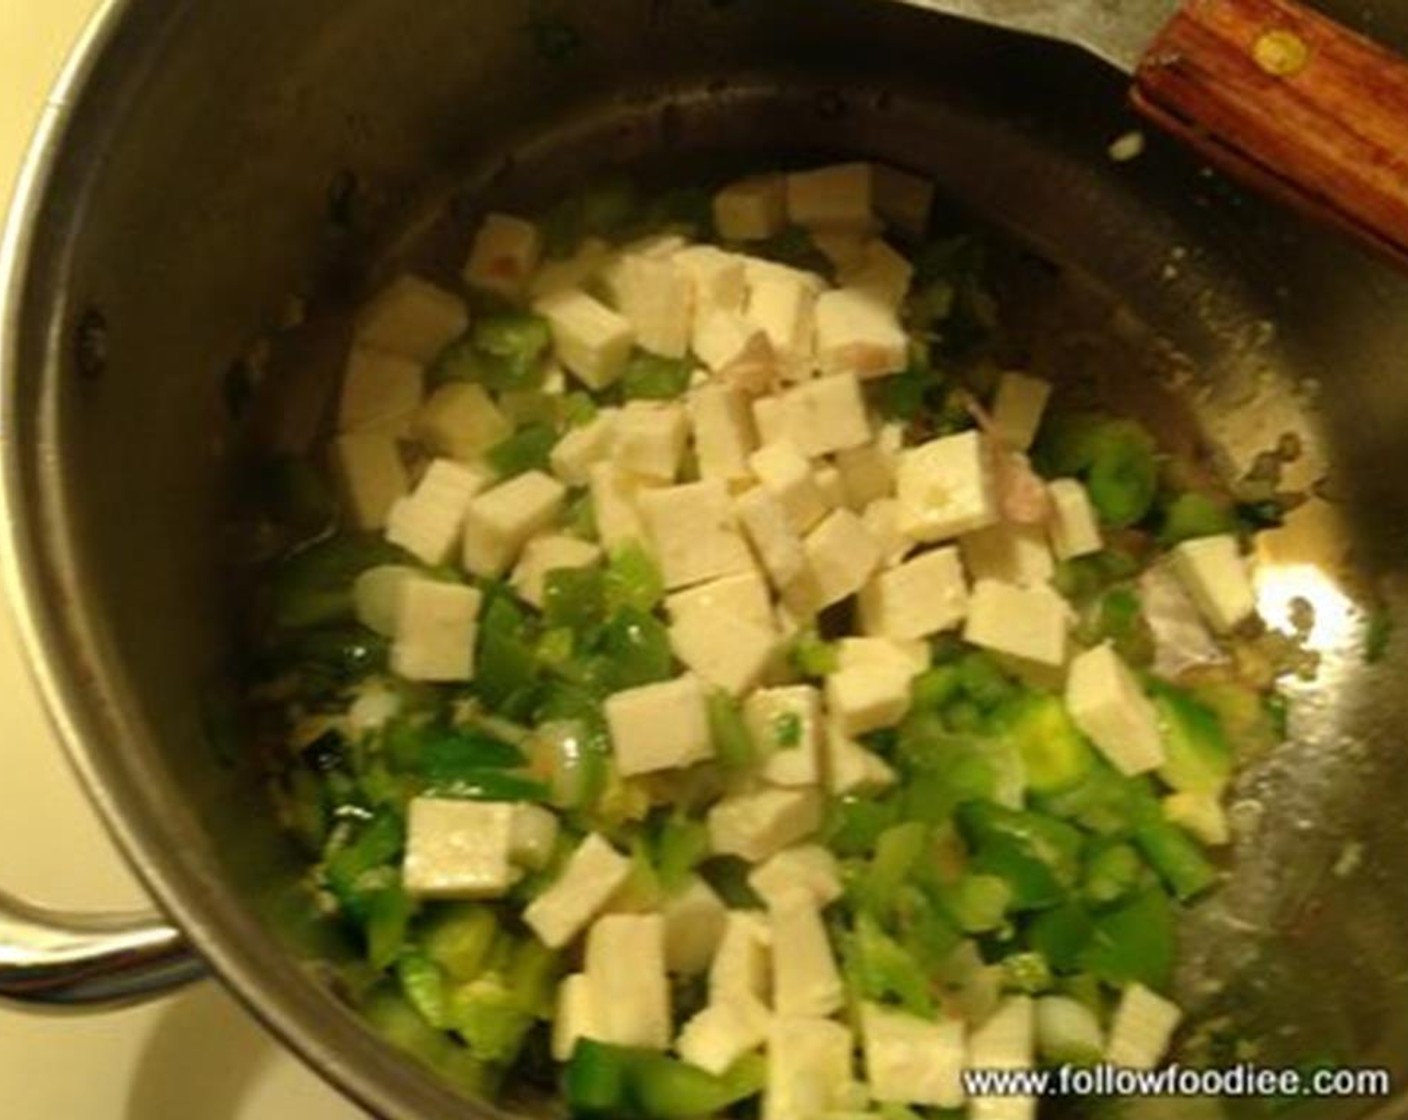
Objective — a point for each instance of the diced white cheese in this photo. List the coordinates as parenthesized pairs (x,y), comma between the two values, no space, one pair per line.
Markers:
(575,271)
(659,726)
(575,1017)
(784,308)
(728,652)
(370,474)
(577,452)
(533,835)
(1008,552)
(844,248)
(828,483)
(810,1070)
(717,277)
(806,981)
(505,253)
(881,272)
(724,436)
(752,209)
(1005,1041)
(721,1034)
(851,768)
(1067,1031)
(1218,580)
(1029,623)
(882,518)
(458,849)
(615,494)
(827,415)
(694,532)
(376,596)
(380,392)
(769,529)
(837,197)
(840,555)
(1107,704)
(630,991)
(651,438)
(545,554)
(773,420)
(742,596)
(437,625)
(742,970)
(722,335)
(657,299)
(782,469)
(759,823)
(1017,409)
(1201,815)
(786,723)
(945,488)
(592,875)
(1074,528)
(902,199)
(429,520)
(903,655)
(593,342)
(1143,1026)
(500,521)
(909,1060)
(412,317)
(694,926)
(858,333)
(867,698)
(460,421)
(810,868)
(918,598)
(867,474)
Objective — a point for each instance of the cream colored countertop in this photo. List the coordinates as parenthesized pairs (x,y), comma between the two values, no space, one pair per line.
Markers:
(195,1055)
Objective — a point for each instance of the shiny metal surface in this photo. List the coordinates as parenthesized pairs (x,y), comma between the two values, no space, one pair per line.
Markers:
(1117,31)
(206,161)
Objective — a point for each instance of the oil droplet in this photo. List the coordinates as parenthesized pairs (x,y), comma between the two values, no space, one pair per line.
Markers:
(1281,53)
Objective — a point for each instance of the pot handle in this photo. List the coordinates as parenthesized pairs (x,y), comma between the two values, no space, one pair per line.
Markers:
(60,962)
(1291,103)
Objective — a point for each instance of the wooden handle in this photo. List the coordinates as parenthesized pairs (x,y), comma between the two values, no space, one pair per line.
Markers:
(1291,103)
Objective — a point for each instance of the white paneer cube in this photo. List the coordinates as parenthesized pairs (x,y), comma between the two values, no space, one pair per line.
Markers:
(575,271)
(844,248)
(911,656)
(1018,408)
(851,768)
(1028,623)
(902,199)
(860,334)
(630,991)
(773,419)
(723,337)
(827,415)
(840,197)
(741,972)
(786,724)
(909,1060)
(810,868)
(694,926)
(1218,580)
(726,651)
(828,482)
(504,257)
(575,1016)
(577,452)
(1199,814)
(657,299)
(752,209)
(437,626)
(867,698)
(840,555)
(783,470)
(769,529)
(593,874)
(412,317)
(880,271)
(694,532)
(545,554)
(460,421)
(650,439)
(533,835)
(783,306)
(724,436)
(659,726)
(867,475)
(760,823)
(429,520)
(500,521)
(1143,1026)
(1006,1040)
(1108,705)
(381,391)
(592,341)
(717,278)
(946,488)
(1074,528)
(916,599)
(370,474)
(376,596)
(1067,1030)
(458,849)
(615,496)
(805,979)
(1008,552)
(743,596)
(810,1069)
(718,1036)
(882,519)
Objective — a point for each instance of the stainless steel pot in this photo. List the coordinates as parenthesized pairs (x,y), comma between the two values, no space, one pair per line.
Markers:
(202,162)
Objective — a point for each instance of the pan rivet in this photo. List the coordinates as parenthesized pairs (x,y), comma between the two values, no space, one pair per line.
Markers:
(1281,53)
(90,344)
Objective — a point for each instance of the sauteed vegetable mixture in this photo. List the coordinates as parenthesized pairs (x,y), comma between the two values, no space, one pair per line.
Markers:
(731,690)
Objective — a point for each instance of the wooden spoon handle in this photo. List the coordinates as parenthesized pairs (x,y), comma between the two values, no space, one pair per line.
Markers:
(1293,104)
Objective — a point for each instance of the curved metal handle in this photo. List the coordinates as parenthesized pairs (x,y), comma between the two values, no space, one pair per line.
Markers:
(58,962)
